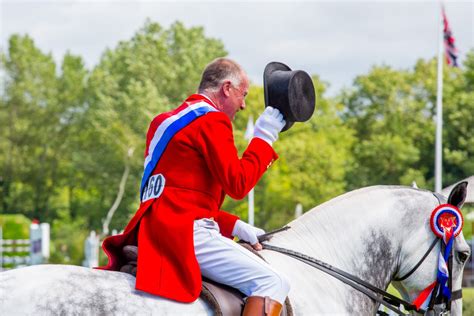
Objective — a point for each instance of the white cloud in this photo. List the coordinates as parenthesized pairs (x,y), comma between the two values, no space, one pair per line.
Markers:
(337,40)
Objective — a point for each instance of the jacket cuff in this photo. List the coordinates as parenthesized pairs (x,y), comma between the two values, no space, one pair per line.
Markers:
(226,223)
(266,151)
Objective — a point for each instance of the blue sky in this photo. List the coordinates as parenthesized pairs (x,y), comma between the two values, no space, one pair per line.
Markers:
(334,39)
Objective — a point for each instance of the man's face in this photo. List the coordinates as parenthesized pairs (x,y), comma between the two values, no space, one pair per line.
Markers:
(235,97)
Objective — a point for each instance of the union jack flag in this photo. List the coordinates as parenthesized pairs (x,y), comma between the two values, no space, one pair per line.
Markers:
(451,51)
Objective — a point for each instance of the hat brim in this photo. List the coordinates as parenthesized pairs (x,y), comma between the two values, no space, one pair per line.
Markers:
(269,69)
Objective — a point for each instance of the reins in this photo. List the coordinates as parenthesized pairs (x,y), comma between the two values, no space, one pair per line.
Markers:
(362,286)
(386,299)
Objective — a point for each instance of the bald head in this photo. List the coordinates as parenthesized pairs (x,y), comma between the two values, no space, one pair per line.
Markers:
(218,71)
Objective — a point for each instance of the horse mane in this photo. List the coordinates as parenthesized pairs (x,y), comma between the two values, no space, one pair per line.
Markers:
(361,192)
(373,208)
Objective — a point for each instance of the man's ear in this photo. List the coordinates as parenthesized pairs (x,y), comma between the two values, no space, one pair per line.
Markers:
(226,88)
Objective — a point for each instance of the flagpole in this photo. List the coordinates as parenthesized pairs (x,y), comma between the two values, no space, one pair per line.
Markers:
(251,211)
(439,109)
(251,208)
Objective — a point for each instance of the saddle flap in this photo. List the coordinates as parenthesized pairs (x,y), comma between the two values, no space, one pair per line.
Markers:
(227,301)
(224,300)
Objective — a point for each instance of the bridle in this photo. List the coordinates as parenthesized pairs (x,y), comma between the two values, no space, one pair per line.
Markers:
(378,295)
(455,295)
(440,299)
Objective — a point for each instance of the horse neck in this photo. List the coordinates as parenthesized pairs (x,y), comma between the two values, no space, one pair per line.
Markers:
(360,232)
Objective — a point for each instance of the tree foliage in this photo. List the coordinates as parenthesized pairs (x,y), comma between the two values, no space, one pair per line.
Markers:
(393,114)
(67,133)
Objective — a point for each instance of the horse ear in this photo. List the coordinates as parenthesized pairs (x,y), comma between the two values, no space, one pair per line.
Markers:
(458,194)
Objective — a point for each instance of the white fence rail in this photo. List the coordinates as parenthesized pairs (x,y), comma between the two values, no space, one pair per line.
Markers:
(22,252)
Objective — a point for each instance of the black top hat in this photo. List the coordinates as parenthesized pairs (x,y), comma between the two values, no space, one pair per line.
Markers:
(290,91)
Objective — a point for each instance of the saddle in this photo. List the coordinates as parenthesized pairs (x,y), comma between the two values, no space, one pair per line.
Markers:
(223,299)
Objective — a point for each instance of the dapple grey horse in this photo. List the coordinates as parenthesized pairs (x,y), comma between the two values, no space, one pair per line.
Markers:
(376,233)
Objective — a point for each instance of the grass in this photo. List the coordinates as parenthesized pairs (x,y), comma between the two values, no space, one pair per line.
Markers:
(468,300)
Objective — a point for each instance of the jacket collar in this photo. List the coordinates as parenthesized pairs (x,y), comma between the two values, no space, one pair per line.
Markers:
(201,97)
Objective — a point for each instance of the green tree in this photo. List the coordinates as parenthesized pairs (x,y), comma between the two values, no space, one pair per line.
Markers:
(458,134)
(393,113)
(67,239)
(388,121)
(66,134)
(30,126)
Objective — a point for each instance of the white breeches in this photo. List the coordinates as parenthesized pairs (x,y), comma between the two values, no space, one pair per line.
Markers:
(224,261)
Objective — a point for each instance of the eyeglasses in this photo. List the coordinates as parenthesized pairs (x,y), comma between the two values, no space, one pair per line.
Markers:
(243,93)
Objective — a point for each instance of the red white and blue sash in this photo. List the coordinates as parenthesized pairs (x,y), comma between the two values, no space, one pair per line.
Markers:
(151,187)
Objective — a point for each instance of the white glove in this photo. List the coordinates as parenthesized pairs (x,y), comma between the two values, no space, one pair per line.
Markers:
(247,232)
(269,124)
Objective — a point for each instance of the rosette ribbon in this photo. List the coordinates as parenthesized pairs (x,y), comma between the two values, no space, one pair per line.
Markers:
(446,223)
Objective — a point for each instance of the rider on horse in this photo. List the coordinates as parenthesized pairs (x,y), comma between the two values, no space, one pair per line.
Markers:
(191,163)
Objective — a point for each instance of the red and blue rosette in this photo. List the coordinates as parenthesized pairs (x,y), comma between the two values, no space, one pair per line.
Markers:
(446,223)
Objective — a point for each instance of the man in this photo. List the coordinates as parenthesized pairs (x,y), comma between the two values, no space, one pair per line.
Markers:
(191,163)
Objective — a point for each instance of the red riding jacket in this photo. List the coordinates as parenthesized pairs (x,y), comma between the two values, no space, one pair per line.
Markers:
(200,165)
